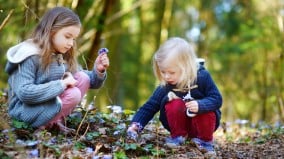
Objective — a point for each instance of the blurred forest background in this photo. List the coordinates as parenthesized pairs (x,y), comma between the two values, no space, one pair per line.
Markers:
(241,41)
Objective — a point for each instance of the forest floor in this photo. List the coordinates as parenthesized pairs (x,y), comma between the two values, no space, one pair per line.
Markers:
(102,135)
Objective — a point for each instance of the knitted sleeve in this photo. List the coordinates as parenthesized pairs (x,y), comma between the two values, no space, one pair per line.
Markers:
(25,87)
(95,80)
(212,99)
(149,109)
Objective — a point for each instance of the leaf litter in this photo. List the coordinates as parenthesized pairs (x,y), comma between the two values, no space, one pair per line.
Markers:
(102,135)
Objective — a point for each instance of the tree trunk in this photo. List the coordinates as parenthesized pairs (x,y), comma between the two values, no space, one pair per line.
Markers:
(91,56)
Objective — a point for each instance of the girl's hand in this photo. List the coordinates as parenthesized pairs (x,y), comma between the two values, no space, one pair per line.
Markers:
(69,80)
(192,106)
(132,132)
(102,62)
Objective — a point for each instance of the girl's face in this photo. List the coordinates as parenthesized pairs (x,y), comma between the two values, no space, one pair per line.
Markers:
(64,38)
(170,73)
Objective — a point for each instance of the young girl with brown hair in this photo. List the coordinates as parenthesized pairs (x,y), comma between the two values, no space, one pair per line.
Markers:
(45,80)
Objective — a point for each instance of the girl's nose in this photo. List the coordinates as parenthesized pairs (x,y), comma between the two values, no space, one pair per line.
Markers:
(70,43)
(167,76)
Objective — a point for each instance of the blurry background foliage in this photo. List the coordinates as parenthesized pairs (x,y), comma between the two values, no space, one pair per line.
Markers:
(241,41)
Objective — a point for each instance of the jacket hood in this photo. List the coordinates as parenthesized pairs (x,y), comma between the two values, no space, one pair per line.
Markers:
(21,51)
(201,67)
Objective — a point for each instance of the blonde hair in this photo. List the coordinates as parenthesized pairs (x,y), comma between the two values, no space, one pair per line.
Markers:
(54,20)
(182,54)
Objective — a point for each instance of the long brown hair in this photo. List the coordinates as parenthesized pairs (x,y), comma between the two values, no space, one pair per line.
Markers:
(52,21)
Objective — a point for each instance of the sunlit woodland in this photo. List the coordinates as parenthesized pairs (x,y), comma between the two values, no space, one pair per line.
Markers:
(240,40)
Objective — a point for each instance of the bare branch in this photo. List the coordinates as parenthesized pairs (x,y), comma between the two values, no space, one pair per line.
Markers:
(124,12)
(6,19)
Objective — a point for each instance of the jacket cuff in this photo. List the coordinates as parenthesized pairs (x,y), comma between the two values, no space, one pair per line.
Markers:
(100,74)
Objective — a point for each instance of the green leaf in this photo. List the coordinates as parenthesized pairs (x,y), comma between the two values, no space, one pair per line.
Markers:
(120,155)
(19,124)
(128,112)
(131,146)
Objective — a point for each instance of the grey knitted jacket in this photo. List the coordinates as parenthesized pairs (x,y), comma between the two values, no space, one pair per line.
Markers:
(32,91)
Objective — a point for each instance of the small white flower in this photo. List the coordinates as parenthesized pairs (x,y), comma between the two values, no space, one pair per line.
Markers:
(115,109)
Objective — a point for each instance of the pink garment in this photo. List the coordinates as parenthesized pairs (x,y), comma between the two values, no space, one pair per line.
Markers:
(71,97)
(201,126)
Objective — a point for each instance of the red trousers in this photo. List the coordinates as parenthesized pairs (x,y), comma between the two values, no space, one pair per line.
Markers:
(201,126)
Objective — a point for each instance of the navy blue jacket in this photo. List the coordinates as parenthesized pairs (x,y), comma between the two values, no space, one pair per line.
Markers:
(206,93)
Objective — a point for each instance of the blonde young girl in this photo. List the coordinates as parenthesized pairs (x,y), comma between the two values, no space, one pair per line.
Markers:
(45,81)
(181,76)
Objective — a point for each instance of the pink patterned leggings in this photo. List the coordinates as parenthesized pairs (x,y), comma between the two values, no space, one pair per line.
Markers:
(71,97)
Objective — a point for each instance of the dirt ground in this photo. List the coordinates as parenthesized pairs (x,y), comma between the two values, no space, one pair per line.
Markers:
(108,141)
(242,144)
